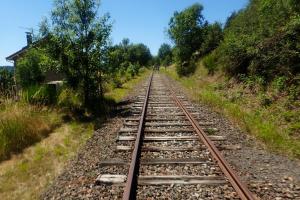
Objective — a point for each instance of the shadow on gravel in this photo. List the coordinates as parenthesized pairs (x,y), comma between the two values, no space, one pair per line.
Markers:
(97,115)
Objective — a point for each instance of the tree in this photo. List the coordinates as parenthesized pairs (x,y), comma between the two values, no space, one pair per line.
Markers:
(186,31)
(139,53)
(229,19)
(213,34)
(29,68)
(262,40)
(81,40)
(165,54)
(126,59)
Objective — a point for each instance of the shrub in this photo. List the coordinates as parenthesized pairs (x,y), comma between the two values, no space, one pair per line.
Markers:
(294,92)
(6,82)
(262,39)
(68,98)
(42,95)
(29,68)
(210,63)
(279,83)
(265,100)
(117,80)
(133,69)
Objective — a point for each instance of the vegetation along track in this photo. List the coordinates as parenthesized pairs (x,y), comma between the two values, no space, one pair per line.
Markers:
(171,155)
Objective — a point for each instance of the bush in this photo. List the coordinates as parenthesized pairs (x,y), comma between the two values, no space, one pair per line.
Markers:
(263,40)
(29,69)
(186,68)
(117,80)
(210,63)
(70,99)
(279,83)
(265,100)
(42,95)
(133,69)
(6,82)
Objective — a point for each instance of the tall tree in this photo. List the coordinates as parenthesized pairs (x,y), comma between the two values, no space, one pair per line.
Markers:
(186,31)
(81,40)
(213,34)
(165,54)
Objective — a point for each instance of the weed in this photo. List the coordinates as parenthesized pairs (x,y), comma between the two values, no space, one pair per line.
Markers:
(265,100)
(279,83)
(210,63)
(40,153)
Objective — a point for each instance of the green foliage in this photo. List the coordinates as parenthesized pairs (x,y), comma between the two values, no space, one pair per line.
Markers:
(213,34)
(126,53)
(133,69)
(140,54)
(41,95)
(186,68)
(265,100)
(125,60)
(262,39)
(210,62)
(70,99)
(6,82)
(294,92)
(186,30)
(263,116)
(20,126)
(165,54)
(229,19)
(79,41)
(279,83)
(29,69)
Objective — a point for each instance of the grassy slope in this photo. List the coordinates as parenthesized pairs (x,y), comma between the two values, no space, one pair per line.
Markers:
(118,94)
(268,124)
(25,175)
(22,125)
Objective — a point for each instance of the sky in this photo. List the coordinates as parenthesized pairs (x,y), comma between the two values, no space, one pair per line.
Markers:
(143,21)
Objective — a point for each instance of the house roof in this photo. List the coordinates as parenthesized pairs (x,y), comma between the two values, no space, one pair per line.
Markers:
(17,54)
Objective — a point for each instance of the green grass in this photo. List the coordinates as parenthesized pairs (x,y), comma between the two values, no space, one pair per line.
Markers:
(267,124)
(26,175)
(22,125)
(117,94)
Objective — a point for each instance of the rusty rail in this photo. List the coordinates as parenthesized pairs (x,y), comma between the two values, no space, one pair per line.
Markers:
(235,181)
(131,183)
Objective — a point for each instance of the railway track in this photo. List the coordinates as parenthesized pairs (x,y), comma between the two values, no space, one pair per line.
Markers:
(166,153)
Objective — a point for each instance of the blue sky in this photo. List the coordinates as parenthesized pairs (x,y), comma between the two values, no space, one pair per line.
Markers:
(139,20)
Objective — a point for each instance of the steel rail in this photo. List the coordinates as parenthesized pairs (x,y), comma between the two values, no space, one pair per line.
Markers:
(235,181)
(131,183)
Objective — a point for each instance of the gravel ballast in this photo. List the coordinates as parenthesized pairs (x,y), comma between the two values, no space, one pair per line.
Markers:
(268,175)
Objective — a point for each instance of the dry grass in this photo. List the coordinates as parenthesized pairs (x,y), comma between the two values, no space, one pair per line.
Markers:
(22,125)
(26,175)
